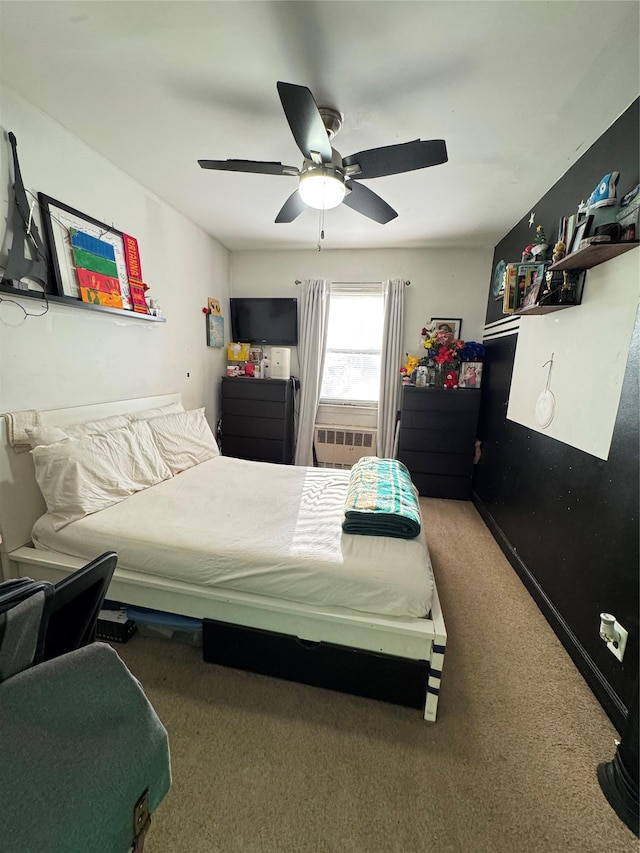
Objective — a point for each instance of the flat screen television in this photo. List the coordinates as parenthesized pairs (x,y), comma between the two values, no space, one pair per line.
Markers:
(263,320)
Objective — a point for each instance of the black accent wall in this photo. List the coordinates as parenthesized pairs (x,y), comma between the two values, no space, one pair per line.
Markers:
(568,521)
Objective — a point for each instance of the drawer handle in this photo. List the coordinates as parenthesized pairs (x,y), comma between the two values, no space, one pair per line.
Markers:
(307,644)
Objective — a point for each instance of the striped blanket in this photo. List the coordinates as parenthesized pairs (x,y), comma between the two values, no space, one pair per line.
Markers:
(381,500)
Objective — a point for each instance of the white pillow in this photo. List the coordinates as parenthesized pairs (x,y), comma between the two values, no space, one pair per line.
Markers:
(147,414)
(184,439)
(49,434)
(83,475)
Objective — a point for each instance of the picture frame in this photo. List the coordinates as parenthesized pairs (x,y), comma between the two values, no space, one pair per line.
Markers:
(509,293)
(581,232)
(238,352)
(470,374)
(531,296)
(498,281)
(59,220)
(215,330)
(455,325)
(533,283)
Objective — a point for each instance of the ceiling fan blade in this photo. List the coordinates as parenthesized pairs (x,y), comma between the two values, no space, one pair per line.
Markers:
(256,166)
(366,202)
(291,209)
(305,120)
(394,159)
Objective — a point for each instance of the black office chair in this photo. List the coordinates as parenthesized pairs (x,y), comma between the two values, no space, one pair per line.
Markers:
(65,621)
(71,615)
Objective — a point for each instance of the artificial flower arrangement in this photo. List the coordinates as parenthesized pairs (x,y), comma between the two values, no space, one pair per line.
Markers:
(443,348)
(445,352)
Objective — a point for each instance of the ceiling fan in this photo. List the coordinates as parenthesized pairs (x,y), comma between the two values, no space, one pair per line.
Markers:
(326,179)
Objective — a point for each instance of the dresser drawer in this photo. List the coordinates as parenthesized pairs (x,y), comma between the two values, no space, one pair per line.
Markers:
(253,427)
(374,675)
(455,400)
(456,464)
(455,440)
(442,486)
(254,389)
(258,449)
(253,408)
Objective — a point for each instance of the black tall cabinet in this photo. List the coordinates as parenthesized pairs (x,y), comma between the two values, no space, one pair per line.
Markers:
(437,439)
(258,419)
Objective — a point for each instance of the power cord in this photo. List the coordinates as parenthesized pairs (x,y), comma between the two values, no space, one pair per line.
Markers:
(24,310)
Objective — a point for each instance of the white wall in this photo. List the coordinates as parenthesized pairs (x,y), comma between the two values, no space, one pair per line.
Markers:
(590,346)
(72,356)
(444,282)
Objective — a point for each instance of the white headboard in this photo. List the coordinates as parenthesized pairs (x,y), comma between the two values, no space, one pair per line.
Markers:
(21,502)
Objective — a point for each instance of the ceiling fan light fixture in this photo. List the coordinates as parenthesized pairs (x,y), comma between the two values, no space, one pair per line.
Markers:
(321,188)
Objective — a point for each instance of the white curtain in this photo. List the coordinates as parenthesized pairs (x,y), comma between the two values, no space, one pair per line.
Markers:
(314,319)
(390,364)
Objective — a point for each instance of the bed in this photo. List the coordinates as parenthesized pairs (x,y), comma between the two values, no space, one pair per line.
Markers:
(254,545)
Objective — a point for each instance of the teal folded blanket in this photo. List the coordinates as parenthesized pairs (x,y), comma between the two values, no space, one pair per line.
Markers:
(382,500)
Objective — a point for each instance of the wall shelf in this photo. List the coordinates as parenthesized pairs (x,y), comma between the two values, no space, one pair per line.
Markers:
(584,259)
(542,309)
(593,255)
(76,303)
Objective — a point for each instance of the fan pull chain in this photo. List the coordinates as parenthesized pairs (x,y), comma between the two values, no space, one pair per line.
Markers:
(320,229)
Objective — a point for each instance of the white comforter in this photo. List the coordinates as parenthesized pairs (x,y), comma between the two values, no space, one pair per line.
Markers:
(269,529)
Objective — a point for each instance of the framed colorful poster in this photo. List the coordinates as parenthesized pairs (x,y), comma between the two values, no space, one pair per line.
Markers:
(77,241)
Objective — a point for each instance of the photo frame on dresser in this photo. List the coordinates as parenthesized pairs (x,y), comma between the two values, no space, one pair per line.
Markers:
(470,375)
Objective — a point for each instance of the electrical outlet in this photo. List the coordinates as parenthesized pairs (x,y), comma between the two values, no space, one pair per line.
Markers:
(617,648)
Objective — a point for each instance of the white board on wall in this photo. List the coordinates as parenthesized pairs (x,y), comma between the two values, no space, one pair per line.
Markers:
(590,345)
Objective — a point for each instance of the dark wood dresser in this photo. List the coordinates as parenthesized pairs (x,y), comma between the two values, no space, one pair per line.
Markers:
(437,439)
(258,419)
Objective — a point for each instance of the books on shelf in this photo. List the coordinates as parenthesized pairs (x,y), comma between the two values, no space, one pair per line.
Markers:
(520,280)
(566,229)
(508,299)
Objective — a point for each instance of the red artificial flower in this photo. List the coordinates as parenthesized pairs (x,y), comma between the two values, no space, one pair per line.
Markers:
(444,354)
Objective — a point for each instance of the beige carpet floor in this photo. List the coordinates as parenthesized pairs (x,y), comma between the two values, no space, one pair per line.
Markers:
(266,765)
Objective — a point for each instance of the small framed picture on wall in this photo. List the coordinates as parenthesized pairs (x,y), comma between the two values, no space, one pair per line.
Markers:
(215,330)
(443,324)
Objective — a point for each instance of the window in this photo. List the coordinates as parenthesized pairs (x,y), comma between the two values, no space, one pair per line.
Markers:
(354,343)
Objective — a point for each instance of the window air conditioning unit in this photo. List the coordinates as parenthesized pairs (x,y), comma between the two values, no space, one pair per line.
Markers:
(342,446)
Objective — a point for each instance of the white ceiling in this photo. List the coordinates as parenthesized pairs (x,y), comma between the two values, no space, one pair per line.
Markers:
(519,90)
